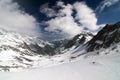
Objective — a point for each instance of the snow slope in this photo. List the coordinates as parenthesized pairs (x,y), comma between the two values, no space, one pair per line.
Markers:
(16,52)
(75,64)
(97,68)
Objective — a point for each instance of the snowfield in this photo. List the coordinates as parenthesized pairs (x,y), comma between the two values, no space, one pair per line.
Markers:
(80,59)
(92,68)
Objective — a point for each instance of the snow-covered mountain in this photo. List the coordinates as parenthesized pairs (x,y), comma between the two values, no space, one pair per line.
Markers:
(106,41)
(105,38)
(75,42)
(18,52)
(95,64)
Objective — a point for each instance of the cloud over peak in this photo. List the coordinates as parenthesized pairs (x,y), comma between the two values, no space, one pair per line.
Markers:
(70,19)
(85,16)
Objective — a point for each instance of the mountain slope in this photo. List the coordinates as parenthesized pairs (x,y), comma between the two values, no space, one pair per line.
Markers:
(105,38)
(77,41)
(14,51)
(104,68)
(17,52)
(107,41)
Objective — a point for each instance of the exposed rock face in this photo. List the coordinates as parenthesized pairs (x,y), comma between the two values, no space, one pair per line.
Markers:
(108,36)
(21,52)
(78,40)
(17,52)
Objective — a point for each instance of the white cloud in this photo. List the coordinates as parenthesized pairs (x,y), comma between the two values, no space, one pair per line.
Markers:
(60,4)
(14,19)
(66,10)
(86,16)
(48,11)
(64,23)
(106,3)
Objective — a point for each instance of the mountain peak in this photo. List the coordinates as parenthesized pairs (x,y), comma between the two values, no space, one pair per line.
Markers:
(110,34)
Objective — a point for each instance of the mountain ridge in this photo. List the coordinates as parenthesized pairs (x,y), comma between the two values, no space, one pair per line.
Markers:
(108,35)
(25,52)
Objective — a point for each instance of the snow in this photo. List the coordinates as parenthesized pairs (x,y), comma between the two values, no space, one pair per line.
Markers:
(7,55)
(41,45)
(13,54)
(99,42)
(35,40)
(103,68)
(90,66)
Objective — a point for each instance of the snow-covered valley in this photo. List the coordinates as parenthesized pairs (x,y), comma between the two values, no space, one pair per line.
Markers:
(84,57)
(105,68)
(59,40)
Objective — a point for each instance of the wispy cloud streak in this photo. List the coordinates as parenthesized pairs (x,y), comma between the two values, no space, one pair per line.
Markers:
(106,3)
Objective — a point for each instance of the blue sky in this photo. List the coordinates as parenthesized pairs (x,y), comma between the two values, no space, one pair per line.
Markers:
(52,19)
(111,12)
